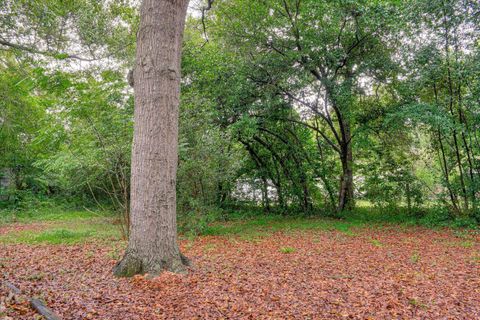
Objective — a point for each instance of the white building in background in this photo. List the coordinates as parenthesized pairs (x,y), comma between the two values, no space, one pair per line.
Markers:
(5,178)
(6,182)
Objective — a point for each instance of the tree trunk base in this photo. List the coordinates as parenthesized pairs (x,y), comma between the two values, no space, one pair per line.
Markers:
(131,265)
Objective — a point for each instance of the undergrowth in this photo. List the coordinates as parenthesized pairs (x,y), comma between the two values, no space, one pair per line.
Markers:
(64,223)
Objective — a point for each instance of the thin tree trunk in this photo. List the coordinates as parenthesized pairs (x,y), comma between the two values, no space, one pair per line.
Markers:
(468,150)
(152,245)
(453,197)
(451,96)
(443,160)
(464,122)
(266,200)
(288,174)
(459,162)
(323,177)
(305,201)
(265,174)
(346,196)
(409,197)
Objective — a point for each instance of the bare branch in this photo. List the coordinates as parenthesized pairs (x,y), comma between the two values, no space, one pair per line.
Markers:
(52,53)
(204,11)
(324,136)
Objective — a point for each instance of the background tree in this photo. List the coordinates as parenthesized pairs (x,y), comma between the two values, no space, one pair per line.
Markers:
(270,91)
(316,64)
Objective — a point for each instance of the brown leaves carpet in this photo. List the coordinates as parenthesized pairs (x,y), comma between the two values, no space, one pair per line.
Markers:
(375,274)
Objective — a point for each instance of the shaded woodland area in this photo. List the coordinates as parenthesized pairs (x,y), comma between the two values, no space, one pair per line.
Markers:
(302,133)
(301,106)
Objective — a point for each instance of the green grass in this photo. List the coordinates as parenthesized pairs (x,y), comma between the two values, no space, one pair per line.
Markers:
(287,250)
(415,257)
(67,235)
(209,247)
(57,225)
(49,214)
(475,258)
(466,244)
(265,225)
(71,227)
(58,236)
(62,227)
(432,217)
(376,243)
(417,303)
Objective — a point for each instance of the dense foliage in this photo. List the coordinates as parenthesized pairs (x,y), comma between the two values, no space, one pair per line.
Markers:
(291,106)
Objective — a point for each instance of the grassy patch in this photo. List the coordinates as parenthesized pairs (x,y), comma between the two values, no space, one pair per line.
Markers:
(415,257)
(376,243)
(476,258)
(460,244)
(265,225)
(50,214)
(209,247)
(287,250)
(401,217)
(50,223)
(417,303)
(66,226)
(58,236)
(69,227)
(462,234)
(70,231)
(466,244)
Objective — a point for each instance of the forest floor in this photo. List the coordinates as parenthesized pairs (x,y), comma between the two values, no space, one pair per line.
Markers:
(261,269)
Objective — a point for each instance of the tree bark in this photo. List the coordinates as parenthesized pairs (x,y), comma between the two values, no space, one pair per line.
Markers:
(346,200)
(451,104)
(152,246)
(265,198)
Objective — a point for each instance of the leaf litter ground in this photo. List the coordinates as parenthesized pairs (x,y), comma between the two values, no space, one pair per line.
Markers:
(374,273)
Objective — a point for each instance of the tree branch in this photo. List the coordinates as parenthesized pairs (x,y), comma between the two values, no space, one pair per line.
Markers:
(50,53)
(324,136)
(204,11)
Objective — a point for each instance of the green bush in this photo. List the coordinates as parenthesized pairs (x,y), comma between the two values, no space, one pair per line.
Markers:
(442,217)
(195,221)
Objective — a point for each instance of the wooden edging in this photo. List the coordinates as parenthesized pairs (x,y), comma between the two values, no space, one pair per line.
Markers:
(36,304)
(43,309)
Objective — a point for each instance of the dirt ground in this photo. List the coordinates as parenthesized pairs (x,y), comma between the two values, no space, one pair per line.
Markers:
(378,273)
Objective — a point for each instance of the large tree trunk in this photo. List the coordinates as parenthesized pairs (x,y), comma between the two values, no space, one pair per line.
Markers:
(152,245)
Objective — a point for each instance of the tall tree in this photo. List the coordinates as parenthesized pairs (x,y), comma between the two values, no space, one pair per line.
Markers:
(316,56)
(152,245)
